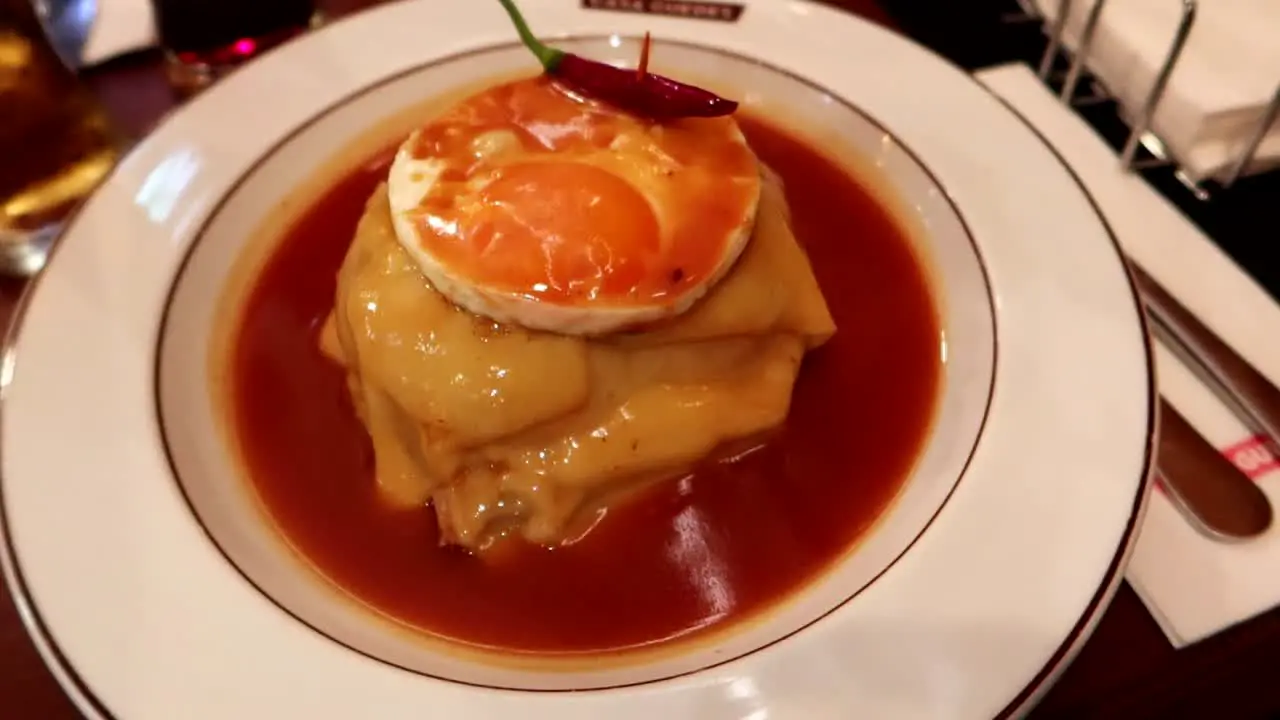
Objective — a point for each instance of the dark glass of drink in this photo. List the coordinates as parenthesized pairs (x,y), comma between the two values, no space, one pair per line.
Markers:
(203,39)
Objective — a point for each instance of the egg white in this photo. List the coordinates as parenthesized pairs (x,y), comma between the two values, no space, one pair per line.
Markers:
(410,179)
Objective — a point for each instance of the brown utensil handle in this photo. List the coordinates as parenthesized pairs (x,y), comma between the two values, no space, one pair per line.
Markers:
(1219,500)
(1240,385)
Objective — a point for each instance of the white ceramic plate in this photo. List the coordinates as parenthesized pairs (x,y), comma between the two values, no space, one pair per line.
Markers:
(154,588)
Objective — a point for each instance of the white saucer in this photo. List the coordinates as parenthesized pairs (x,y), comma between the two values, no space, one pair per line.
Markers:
(155,598)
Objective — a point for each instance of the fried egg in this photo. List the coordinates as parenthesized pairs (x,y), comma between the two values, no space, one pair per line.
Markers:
(531,206)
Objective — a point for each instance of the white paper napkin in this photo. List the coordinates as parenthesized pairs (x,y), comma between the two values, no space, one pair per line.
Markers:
(1193,586)
(120,26)
(1227,74)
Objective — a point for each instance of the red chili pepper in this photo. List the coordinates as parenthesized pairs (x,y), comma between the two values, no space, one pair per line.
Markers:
(636,91)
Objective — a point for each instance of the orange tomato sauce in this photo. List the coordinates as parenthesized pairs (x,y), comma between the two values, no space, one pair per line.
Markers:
(685,557)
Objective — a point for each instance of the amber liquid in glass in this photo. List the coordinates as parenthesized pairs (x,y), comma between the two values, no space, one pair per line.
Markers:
(56,142)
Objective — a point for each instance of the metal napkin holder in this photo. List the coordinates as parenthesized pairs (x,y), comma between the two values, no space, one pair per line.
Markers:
(1140,132)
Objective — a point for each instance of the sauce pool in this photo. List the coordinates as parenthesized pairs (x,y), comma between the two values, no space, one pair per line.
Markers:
(686,556)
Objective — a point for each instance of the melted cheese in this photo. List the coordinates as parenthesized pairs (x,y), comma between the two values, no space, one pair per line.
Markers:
(505,429)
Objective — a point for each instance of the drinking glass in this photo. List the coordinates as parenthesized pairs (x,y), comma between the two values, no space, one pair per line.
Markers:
(56,142)
(204,39)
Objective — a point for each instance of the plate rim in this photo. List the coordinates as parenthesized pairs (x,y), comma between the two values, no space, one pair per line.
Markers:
(1043,680)
(1066,653)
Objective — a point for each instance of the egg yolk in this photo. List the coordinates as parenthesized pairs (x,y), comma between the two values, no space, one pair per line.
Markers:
(557,228)
(549,196)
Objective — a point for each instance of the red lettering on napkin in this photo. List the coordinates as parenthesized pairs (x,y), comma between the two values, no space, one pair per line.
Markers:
(1255,456)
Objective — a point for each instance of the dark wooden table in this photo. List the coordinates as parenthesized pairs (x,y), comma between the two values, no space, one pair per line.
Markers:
(1127,670)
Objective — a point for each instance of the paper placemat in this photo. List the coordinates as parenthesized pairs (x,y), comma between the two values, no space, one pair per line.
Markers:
(119,27)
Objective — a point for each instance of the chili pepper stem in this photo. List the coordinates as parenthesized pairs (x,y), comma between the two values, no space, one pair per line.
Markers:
(642,94)
(643,67)
(549,57)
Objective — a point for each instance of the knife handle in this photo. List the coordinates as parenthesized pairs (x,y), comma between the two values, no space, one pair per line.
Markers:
(1240,385)
(1219,499)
